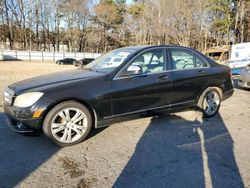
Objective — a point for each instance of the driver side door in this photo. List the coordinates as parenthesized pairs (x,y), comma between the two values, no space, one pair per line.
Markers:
(146,90)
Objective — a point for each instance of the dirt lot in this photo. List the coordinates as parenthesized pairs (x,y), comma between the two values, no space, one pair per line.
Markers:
(177,150)
(12,71)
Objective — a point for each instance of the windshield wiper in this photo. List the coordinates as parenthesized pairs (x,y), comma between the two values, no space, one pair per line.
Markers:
(89,69)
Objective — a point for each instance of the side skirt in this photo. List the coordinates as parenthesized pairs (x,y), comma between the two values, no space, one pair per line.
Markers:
(146,113)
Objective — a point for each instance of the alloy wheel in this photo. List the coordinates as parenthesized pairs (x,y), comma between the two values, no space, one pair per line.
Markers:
(211,103)
(69,125)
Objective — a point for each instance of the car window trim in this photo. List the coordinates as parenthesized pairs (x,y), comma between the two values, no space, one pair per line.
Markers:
(188,50)
(165,71)
(184,50)
(202,58)
(166,66)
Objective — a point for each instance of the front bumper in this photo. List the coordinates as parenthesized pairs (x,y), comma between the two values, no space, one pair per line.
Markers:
(19,127)
(21,120)
(244,84)
(244,79)
(21,117)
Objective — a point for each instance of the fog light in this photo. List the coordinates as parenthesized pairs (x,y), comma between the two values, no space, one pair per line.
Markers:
(20,125)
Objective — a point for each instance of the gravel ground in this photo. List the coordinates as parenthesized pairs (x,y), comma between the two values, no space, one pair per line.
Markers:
(177,150)
(12,71)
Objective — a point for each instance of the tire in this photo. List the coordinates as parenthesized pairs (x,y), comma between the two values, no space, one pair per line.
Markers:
(209,102)
(68,123)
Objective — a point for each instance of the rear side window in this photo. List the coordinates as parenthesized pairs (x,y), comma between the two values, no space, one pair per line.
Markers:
(185,59)
(200,62)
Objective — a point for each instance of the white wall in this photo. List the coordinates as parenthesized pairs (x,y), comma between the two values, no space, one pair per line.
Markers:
(44,56)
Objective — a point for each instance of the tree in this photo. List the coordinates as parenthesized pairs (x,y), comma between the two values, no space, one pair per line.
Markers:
(222,16)
(77,15)
(108,18)
(242,20)
(107,24)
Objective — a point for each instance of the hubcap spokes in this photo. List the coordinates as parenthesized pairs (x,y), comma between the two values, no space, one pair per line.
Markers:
(69,125)
(211,103)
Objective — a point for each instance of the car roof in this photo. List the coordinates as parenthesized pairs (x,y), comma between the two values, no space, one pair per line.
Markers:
(152,46)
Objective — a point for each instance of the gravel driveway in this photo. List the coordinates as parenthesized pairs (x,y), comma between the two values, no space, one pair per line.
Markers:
(177,150)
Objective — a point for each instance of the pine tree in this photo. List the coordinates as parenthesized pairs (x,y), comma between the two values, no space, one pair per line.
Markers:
(222,17)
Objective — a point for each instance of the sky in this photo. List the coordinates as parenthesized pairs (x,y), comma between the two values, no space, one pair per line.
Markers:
(129,1)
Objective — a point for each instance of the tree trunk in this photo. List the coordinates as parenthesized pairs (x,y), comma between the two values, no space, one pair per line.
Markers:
(37,31)
(241,21)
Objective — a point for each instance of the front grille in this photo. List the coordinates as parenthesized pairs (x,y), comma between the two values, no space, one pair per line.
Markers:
(8,96)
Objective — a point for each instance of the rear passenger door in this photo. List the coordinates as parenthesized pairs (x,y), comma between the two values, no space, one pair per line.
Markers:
(189,76)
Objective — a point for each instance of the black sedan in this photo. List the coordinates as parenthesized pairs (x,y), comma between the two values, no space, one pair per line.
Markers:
(120,84)
(66,61)
(83,62)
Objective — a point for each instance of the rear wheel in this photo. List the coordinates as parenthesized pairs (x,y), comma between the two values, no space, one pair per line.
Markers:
(209,102)
(67,123)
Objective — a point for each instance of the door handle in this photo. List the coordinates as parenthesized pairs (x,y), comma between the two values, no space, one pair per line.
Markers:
(201,72)
(162,78)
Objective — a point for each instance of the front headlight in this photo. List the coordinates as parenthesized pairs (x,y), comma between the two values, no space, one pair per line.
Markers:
(27,99)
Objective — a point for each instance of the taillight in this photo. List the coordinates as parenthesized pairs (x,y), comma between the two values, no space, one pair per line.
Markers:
(229,73)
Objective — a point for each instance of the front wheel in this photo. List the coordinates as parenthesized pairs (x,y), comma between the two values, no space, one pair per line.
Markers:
(68,123)
(209,102)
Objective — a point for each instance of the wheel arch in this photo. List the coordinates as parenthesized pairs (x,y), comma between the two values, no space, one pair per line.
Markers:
(199,104)
(218,88)
(87,105)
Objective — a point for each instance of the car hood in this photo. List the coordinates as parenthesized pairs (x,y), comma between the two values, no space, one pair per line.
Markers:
(54,78)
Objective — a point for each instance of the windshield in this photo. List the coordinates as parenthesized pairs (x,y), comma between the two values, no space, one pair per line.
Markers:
(110,61)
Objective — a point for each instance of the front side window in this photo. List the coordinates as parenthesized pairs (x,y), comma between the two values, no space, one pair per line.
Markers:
(151,61)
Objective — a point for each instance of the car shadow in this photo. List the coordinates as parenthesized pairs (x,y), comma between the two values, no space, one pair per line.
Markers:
(21,155)
(95,132)
(175,152)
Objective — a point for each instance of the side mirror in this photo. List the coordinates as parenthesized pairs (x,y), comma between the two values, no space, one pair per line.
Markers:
(133,70)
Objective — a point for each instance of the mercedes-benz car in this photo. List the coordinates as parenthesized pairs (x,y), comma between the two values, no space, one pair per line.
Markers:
(147,80)
(66,61)
(83,62)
